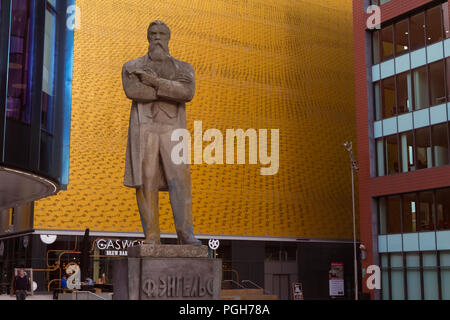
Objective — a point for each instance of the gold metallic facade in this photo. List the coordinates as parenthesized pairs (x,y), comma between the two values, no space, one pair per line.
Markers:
(262,64)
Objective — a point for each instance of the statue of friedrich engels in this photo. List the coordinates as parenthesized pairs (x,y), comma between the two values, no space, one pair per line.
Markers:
(159,87)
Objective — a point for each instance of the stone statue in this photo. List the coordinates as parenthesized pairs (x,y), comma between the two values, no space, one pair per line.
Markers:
(159,87)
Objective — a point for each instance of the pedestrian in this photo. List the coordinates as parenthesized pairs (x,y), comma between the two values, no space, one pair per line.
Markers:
(21,285)
(64,282)
(89,282)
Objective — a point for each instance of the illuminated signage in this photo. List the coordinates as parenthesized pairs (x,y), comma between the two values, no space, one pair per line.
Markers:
(116,247)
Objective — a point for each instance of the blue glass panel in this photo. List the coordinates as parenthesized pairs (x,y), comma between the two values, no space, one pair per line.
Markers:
(18,104)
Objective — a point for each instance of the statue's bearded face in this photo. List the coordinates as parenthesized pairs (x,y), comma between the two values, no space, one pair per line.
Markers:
(158,37)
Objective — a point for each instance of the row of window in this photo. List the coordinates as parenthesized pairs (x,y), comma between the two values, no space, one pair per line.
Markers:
(413,90)
(412,33)
(414,212)
(413,150)
(416,276)
(20,61)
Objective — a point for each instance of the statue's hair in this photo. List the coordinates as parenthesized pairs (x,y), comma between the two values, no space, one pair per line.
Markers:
(158,23)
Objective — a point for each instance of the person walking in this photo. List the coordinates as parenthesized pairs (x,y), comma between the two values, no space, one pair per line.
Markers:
(21,285)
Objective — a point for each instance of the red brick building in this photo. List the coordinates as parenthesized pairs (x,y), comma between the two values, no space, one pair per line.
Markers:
(403,110)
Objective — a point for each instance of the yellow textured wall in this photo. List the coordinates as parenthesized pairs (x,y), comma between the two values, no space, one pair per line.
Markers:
(271,64)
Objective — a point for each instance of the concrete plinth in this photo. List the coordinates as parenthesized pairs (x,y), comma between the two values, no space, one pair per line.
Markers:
(169,272)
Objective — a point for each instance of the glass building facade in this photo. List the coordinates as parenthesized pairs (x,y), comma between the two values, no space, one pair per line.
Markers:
(36,54)
(35,92)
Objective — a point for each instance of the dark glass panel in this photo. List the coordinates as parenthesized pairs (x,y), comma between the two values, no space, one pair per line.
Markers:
(417,31)
(376,47)
(388,87)
(426,212)
(394,215)
(392,155)
(423,148)
(404,93)
(407,152)
(434,25)
(387,43)
(18,106)
(402,37)
(437,83)
(443,209)
(409,213)
(421,100)
(440,144)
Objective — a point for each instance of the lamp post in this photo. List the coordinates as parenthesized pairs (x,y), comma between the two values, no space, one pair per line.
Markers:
(354,168)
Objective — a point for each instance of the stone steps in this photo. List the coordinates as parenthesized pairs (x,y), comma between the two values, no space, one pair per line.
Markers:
(246,294)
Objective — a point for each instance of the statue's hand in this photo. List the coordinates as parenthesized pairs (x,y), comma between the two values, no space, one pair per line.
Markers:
(149,78)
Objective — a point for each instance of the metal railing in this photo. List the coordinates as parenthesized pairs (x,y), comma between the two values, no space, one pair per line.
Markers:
(236,283)
(90,294)
(257,286)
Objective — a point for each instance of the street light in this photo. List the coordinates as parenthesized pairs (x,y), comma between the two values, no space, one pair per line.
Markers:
(353,167)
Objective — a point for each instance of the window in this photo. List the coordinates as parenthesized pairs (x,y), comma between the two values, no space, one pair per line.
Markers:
(49,70)
(447,63)
(397,277)
(409,213)
(392,165)
(385,276)
(404,93)
(407,152)
(434,25)
(443,209)
(18,105)
(426,212)
(389,97)
(401,37)
(380,158)
(440,144)
(430,276)
(417,31)
(413,276)
(446,20)
(393,215)
(382,216)
(420,211)
(417,274)
(437,83)
(387,43)
(445,274)
(376,97)
(423,148)
(376,47)
(420,88)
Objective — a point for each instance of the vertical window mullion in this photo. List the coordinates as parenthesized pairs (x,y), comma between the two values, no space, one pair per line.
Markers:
(421,276)
(438,262)
(434,210)
(394,41)
(405,278)
(5,28)
(389,276)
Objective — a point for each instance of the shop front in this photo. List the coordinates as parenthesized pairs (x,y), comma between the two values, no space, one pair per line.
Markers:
(50,257)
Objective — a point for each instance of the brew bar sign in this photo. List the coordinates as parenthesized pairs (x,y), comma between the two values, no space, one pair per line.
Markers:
(116,247)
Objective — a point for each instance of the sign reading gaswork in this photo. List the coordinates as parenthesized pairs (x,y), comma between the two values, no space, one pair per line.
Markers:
(180,279)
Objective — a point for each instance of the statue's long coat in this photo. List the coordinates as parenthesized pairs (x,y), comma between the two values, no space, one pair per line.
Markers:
(180,89)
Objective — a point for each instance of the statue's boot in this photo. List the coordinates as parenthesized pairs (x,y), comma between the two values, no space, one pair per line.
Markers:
(181,201)
(149,211)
